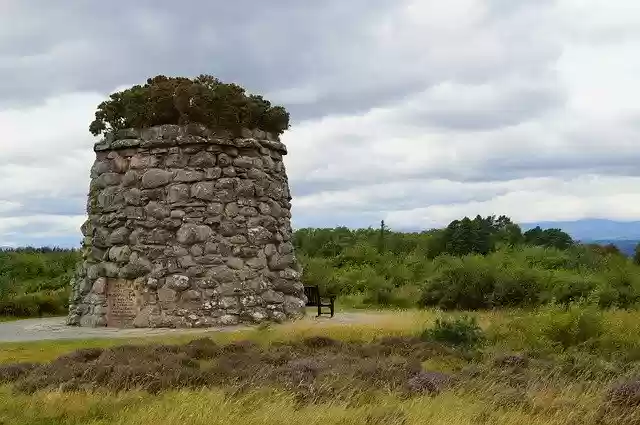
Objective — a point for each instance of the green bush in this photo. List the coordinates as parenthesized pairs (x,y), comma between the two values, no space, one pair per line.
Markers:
(405,271)
(379,292)
(574,326)
(178,100)
(319,272)
(517,285)
(620,287)
(35,282)
(460,332)
(460,283)
(566,287)
(558,328)
(49,303)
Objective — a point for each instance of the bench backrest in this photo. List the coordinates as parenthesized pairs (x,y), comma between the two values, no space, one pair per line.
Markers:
(313,295)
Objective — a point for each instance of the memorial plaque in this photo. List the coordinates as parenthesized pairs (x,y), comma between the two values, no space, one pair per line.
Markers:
(122,306)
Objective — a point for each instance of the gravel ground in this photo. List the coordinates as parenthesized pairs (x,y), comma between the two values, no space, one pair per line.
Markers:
(54,328)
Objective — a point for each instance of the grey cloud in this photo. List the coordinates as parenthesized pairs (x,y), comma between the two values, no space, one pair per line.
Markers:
(310,219)
(268,47)
(318,58)
(24,239)
(505,109)
(64,206)
(99,46)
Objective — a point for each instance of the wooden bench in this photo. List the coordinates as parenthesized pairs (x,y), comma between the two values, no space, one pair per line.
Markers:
(315,300)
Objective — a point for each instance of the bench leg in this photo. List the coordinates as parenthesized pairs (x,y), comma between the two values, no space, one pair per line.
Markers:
(331,307)
(319,309)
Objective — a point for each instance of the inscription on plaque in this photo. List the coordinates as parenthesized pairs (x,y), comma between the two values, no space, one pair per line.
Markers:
(122,307)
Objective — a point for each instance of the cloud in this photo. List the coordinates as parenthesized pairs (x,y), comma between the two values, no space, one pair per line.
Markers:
(44,170)
(410,111)
(40,230)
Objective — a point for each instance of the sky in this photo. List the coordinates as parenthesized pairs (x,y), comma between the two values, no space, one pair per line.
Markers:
(417,112)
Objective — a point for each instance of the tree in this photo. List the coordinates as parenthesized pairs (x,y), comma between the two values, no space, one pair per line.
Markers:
(636,254)
(506,232)
(381,244)
(555,238)
(466,236)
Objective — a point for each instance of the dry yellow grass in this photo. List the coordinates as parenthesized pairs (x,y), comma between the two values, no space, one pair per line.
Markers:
(555,404)
(380,323)
(212,407)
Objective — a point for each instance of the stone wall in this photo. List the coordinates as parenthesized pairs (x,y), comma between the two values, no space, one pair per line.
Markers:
(187,228)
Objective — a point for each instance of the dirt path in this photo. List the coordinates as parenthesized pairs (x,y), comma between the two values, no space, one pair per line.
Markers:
(54,328)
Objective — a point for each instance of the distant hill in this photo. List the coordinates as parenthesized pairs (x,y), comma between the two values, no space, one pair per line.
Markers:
(623,234)
(627,247)
(593,229)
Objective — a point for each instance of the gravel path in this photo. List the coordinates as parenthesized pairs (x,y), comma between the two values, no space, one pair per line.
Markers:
(54,328)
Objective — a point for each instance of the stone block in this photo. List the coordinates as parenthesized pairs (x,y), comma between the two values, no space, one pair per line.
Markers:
(177,282)
(156,177)
(188,176)
(204,190)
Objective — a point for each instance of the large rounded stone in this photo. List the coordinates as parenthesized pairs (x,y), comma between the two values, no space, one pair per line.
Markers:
(293,306)
(190,233)
(188,176)
(99,168)
(156,177)
(157,210)
(108,179)
(178,193)
(133,196)
(131,178)
(272,297)
(203,190)
(119,254)
(203,159)
(260,236)
(178,282)
(221,274)
(224,160)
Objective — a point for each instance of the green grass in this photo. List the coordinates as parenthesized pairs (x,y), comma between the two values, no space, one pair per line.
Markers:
(588,348)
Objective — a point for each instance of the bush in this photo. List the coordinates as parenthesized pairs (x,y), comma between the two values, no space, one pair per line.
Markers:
(461,332)
(517,286)
(320,272)
(566,287)
(178,100)
(460,283)
(574,326)
(48,303)
(312,367)
(620,288)
(429,382)
(625,394)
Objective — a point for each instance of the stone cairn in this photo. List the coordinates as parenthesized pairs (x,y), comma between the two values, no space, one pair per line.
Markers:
(187,228)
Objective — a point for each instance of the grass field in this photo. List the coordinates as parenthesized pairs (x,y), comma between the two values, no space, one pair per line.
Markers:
(574,357)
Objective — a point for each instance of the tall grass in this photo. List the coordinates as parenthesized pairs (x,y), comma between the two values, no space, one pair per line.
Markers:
(547,406)
(578,352)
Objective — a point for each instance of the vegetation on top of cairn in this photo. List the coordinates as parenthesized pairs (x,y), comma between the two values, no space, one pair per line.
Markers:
(179,100)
